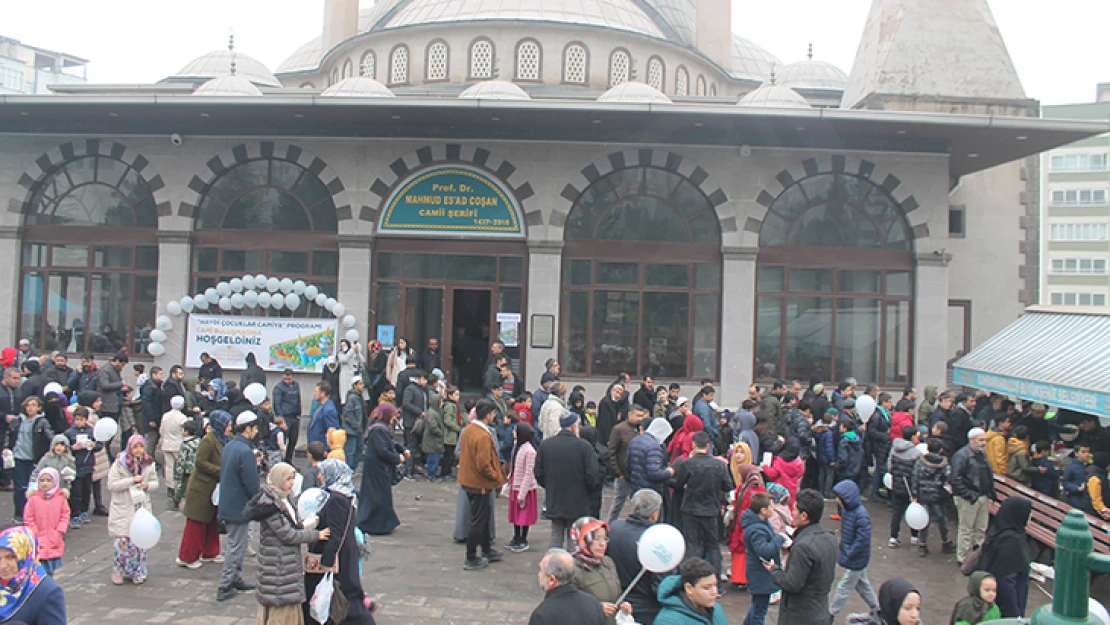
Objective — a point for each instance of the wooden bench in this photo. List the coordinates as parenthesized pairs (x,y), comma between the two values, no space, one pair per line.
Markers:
(1048,514)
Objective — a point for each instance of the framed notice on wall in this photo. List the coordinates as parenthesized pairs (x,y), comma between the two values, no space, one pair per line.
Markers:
(543,331)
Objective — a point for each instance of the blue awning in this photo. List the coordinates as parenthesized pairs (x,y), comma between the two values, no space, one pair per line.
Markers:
(1058,357)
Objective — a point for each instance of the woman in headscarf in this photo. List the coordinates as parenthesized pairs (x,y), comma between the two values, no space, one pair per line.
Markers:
(338,514)
(375,364)
(200,542)
(130,481)
(683,440)
(92,401)
(55,407)
(376,515)
(741,455)
(27,593)
(398,357)
(594,572)
(1006,555)
(750,482)
(281,589)
(899,604)
(978,606)
(350,365)
(214,397)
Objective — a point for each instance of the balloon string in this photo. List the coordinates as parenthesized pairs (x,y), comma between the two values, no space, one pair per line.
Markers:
(635,581)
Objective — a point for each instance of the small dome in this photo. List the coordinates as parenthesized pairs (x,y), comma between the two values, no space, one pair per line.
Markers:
(494,90)
(218,63)
(635,92)
(812,74)
(230,85)
(751,62)
(357,87)
(774,96)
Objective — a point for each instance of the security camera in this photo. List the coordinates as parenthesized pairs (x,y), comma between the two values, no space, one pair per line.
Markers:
(177,139)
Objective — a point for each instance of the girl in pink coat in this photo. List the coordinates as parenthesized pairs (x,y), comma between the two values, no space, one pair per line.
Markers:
(524,509)
(787,468)
(47,515)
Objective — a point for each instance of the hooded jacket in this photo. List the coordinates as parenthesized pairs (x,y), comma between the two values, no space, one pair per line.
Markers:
(928,406)
(253,374)
(997,451)
(903,457)
(677,609)
(849,457)
(855,528)
(760,543)
(1018,466)
(787,469)
(826,445)
(930,474)
(280,564)
(238,479)
(647,463)
(746,431)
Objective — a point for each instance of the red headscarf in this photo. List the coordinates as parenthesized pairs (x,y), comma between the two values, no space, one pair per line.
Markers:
(683,440)
(7,357)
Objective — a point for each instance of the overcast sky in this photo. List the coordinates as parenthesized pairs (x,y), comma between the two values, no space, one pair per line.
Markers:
(1058,46)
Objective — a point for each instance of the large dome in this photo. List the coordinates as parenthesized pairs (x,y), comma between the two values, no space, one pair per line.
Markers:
(218,63)
(812,74)
(751,62)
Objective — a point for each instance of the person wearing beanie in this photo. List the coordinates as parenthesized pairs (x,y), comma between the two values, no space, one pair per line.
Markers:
(972,489)
(171,433)
(567,468)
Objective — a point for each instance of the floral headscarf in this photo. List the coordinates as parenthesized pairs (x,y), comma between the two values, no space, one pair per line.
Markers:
(219,420)
(583,534)
(778,493)
(336,476)
(14,592)
(135,466)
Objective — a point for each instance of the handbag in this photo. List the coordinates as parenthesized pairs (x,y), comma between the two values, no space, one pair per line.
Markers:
(971,562)
(312,560)
(328,603)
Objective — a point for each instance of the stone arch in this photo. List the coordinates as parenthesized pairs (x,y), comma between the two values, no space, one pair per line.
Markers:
(455,154)
(242,153)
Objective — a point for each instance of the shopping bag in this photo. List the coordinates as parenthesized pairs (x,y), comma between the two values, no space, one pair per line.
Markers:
(319,606)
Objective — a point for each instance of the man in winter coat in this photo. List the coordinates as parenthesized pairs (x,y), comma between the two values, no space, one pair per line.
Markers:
(354,423)
(704,411)
(238,484)
(927,406)
(150,396)
(480,473)
(563,602)
(210,369)
(326,416)
(704,481)
(34,381)
(943,407)
(771,406)
(906,403)
(111,386)
(960,419)
(801,428)
(811,569)
(647,458)
(566,466)
(624,537)
(619,440)
(608,411)
(11,398)
(287,404)
(63,374)
(997,440)
(930,475)
(849,456)
(878,438)
(903,457)
(414,406)
(645,396)
(253,374)
(973,488)
(855,550)
(88,374)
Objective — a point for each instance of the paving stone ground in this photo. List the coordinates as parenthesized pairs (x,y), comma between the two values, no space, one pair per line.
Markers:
(416,574)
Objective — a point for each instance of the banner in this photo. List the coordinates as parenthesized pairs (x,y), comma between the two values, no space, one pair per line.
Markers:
(302,345)
(451,199)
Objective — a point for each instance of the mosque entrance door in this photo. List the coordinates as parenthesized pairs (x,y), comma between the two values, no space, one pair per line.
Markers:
(470,337)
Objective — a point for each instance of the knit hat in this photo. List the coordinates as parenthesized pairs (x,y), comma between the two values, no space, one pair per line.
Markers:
(973,432)
(245,417)
(548,377)
(177,402)
(568,419)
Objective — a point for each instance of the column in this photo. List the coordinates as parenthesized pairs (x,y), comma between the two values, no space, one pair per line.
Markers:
(930,328)
(11,243)
(544,284)
(354,282)
(174,268)
(737,323)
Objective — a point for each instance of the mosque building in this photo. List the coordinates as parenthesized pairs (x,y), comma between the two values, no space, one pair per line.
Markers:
(627,184)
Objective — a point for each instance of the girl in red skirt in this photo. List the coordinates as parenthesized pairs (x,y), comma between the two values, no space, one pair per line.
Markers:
(750,482)
(524,509)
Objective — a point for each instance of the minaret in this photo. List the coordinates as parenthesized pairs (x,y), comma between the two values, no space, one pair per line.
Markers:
(340,22)
(714,37)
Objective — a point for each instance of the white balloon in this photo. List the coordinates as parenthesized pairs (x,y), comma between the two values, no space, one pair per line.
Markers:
(299,288)
(661,548)
(174,308)
(330,303)
(224,289)
(236,285)
(292,301)
(348,321)
(260,281)
(216,495)
(146,531)
(212,295)
(310,502)
(248,282)
(163,323)
(917,517)
(187,304)
(311,291)
(286,285)
(339,309)
(277,301)
(157,336)
(237,300)
(251,298)
(298,484)
(888,481)
(264,299)
(201,302)
(255,392)
(321,299)
(352,335)
(1098,611)
(225,303)
(273,284)
(865,407)
(105,429)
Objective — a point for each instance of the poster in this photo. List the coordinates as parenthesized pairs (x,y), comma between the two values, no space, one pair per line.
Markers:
(302,345)
(386,335)
(509,332)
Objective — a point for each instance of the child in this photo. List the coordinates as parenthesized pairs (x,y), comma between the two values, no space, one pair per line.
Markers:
(60,459)
(508,421)
(900,464)
(1018,466)
(761,544)
(337,438)
(47,514)
(523,506)
(783,518)
(978,606)
(523,408)
(277,441)
(1075,476)
(929,486)
(849,457)
(998,442)
(1047,479)
(432,442)
(855,548)
(81,439)
(749,483)
(591,413)
(826,453)
(171,432)
(186,459)
(317,453)
(130,480)
(787,468)
(725,435)
(91,400)
(453,423)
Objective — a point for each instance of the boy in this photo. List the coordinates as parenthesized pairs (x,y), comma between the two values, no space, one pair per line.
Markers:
(855,548)
(929,486)
(591,413)
(1018,466)
(171,433)
(939,431)
(317,452)
(1075,476)
(186,458)
(849,457)
(826,452)
(276,443)
(1047,479)
(724,440)
(523,408)
(761,544)
(903,456)
(998,442)
(84,447)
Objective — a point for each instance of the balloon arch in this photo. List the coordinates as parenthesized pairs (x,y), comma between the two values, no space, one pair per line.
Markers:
(259,295)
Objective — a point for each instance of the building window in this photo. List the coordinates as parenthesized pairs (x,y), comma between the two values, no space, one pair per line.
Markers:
(834,283)
(1078,299)
(641,278)
(307,85)
(399,66)
(1078,266)
(575,63)
(1078,232)
(348,69)
(481,59)
(1071,163)
(957,222)
(436,63)
(620,67)
(699,88)
(368,66)
(713,90)
(334,76)
(90,259)
(656,73)
(1079,197)
(528,60)
(682,82)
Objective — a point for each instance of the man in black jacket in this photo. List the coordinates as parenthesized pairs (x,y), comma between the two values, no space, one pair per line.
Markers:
(972,488)
(151,396)
(566,466)
(624,537)
(811,569)
(210,369)
(34,379)
(11,396)
(253,374)
(646,395)
(63,374)
(705,481)
(563,603)
(287,404)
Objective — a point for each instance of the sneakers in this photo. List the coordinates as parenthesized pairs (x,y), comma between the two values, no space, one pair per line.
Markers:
(948,547)
(74,523)
(914,540)
(189,565)
(923,551)
(894,543)
(242,585)
(217,560)
(519,547)
(474,564)
(834,517)
(85,518)
(100,511)
(224,594)
(251,552)
(494,555)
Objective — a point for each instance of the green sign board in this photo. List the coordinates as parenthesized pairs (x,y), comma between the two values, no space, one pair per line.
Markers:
(451,199)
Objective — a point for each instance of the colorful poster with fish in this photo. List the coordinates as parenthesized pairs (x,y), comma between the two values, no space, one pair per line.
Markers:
(303,345)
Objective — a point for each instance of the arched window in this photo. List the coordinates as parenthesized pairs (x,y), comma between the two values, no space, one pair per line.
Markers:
(291,213)
(656,74)
(647,300)
(699,86)
(575,64)
(436,62)
(307,85)
(348,69)
(528,60)
(481,59)
(90,259)
(835,283)
(399,66)
(620,67)
(368,66)
(682,82)
(713,90)
(334,75)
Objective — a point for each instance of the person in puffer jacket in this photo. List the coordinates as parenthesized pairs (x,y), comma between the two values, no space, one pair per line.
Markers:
(855,549)
(903,456)
(930,477)
(849,456)
(647,458)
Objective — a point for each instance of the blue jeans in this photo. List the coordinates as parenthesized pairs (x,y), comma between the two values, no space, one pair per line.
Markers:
(21,475)
(877,478)
(757,613)
(353,450)
(433,464)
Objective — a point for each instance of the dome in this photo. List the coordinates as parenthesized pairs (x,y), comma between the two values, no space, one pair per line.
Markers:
(218,63)
(229,85)
(750,61)
(357,87)
(681,16)
(812,74)
(634,93)
(494,90)
(307,57)
(774,96)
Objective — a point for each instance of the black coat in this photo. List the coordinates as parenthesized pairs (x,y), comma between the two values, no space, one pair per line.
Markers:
(567,604)
(211,371)
(624,537)
(808,576)
(334,515)
(375,495)
(566,466)
(608,415)
(704,481)
(971,476)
